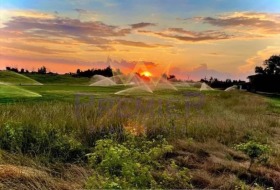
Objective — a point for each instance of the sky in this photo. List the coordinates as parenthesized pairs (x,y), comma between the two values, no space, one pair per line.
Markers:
(195,38)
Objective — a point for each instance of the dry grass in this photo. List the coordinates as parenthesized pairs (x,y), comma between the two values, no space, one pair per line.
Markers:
(203,143)
(214,165)
(23,173)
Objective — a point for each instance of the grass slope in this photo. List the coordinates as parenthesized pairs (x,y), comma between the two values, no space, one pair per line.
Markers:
(9,91)
(64,93)
(59,79)
(16,78)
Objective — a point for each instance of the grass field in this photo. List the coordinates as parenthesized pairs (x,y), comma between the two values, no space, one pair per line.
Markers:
(11,92)
(59,79)
(77,136)
(16,78)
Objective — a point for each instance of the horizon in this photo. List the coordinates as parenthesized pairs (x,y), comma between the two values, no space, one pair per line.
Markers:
(220,39)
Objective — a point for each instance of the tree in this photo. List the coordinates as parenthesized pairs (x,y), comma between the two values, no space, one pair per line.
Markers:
(12,69)
(228,81)
(107,72)
(259,70)
(42,70)
(271,66)
(171,77)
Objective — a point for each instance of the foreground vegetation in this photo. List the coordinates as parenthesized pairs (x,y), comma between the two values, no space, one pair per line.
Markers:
(171,139)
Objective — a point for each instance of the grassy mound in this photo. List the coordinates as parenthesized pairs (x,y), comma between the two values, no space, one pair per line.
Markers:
(16,78)
(9,91)
(59,79)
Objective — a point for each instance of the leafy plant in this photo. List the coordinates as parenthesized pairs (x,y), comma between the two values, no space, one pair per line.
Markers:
(254,150)
(49,143)
(132,164)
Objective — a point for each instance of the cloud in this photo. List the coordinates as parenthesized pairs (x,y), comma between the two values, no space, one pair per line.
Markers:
(32,48)
(67,31)
(215,54)
(24,13)
(52,61)
(142,25)
(238,25)
(139,44)
(256,22)
(128,66)
(65,26)
(199,72)
(190,36)
(258,58)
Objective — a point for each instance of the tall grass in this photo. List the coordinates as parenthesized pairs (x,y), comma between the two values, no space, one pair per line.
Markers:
(227,118)
(60,131)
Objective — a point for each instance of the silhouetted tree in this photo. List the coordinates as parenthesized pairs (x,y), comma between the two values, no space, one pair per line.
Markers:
(171,77)
(12,69)
(267,77)
(228,80)
(259,70)
(107,72)
(42,70)
(271,66)
(216,83)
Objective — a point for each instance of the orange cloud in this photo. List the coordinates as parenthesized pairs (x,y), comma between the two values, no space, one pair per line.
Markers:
(142,25)
(248,22)
(257,60)
(190,36)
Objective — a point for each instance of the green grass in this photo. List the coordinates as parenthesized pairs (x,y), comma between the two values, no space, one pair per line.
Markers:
(64,93)
(8,91)
(16,78)
(35,78)
(58,79)
(274,103)
(56,129)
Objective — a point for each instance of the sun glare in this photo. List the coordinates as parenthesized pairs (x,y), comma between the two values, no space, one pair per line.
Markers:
(146,74)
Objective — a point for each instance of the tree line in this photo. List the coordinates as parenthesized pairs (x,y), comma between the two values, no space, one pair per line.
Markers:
(41,70)
(216,83)
(107,72)
(265,79)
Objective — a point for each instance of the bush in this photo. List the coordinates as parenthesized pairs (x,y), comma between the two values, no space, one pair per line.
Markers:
(254,150)
(50,143)
(132,164)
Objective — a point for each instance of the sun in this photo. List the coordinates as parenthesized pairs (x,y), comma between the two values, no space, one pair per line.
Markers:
(146,74)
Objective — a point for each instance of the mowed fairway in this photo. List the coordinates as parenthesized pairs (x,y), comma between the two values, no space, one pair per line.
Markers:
(66,122)
(11,91)
(16,78)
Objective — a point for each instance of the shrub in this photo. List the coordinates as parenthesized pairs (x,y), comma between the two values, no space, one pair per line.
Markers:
(50,143)
(254,150)
(132,164)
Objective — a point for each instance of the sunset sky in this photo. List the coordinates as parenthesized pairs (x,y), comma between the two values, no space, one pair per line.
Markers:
(198,38)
